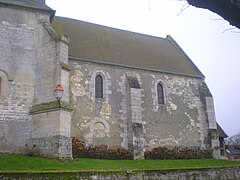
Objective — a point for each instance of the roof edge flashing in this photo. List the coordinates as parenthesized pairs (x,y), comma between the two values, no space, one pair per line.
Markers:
(175,44)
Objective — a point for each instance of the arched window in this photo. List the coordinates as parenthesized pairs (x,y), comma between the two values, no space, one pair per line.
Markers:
(160,93)
(99,87)
(4,90)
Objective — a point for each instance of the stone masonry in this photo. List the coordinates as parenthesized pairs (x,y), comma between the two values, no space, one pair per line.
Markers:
(133,119)
(36,56)
(30,68)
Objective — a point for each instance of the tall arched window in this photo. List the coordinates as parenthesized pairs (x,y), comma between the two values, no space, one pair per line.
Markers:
(4,90)
(160,93)
(99,87)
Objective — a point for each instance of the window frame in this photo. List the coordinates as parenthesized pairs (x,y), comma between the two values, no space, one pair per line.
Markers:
(99,86)
(160,94)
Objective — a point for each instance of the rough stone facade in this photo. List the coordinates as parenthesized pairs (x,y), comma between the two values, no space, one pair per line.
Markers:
(19,35)
(34,59)
(29,70)
(130,116)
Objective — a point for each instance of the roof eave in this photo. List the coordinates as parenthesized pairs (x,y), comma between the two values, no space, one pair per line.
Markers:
(133,67)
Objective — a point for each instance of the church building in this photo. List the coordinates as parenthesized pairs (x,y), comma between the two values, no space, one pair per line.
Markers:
(120,88)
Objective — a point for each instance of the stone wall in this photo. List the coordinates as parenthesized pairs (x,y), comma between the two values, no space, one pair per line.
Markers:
(19,38)
(52,125)
(181,121)
(232,173)
(34,59)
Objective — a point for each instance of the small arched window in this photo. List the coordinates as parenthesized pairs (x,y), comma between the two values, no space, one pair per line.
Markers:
(99,87)
(160,93)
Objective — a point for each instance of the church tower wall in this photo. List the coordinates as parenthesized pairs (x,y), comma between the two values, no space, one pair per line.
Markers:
(19,43)
(34,60)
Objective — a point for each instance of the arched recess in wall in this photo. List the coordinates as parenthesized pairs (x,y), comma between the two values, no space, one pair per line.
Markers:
(4,86)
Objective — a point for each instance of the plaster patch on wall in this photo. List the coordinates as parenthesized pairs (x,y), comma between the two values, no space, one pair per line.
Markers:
(153,76)
(166,77)
(173,106)
(190,105)
(176,85)
(192,122)
(169,141)
(85,124)
(105,111)
(77,87)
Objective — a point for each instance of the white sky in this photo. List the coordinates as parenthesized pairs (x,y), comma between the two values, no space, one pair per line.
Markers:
(215,52)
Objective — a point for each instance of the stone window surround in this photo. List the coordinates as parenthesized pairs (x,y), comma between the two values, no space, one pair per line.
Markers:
(98,87)
(3,84)
(160,93)
(106,82)
(155,93)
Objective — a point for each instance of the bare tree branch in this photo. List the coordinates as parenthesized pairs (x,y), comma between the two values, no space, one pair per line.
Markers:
(185,6)
(228,29)
(218,19)
(228,9)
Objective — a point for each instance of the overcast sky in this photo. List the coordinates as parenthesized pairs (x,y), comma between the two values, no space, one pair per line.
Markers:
(203,35)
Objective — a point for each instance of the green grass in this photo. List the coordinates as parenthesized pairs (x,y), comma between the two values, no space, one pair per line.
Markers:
(18,163)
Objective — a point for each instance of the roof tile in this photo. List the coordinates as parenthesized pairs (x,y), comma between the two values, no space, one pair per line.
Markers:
(100,43)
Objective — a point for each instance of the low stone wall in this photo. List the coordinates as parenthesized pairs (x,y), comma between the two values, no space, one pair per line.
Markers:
(232,173)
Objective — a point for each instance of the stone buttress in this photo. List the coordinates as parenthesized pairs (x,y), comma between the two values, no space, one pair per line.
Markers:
(135,124)
(52,122)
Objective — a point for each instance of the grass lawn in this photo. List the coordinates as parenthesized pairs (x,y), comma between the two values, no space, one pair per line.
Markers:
(18,163)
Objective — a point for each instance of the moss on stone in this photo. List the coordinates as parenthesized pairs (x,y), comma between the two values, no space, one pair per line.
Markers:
(50,106)
(51,30)
(204,90)
(65,66)
(133,82)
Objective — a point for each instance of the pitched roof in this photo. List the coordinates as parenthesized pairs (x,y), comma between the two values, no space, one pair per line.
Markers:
(221,132)
(32,4)
(233,149)
(98,43)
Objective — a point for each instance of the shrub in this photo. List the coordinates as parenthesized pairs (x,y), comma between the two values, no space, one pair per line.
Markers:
(99,151)
(177,153)
(32,151)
